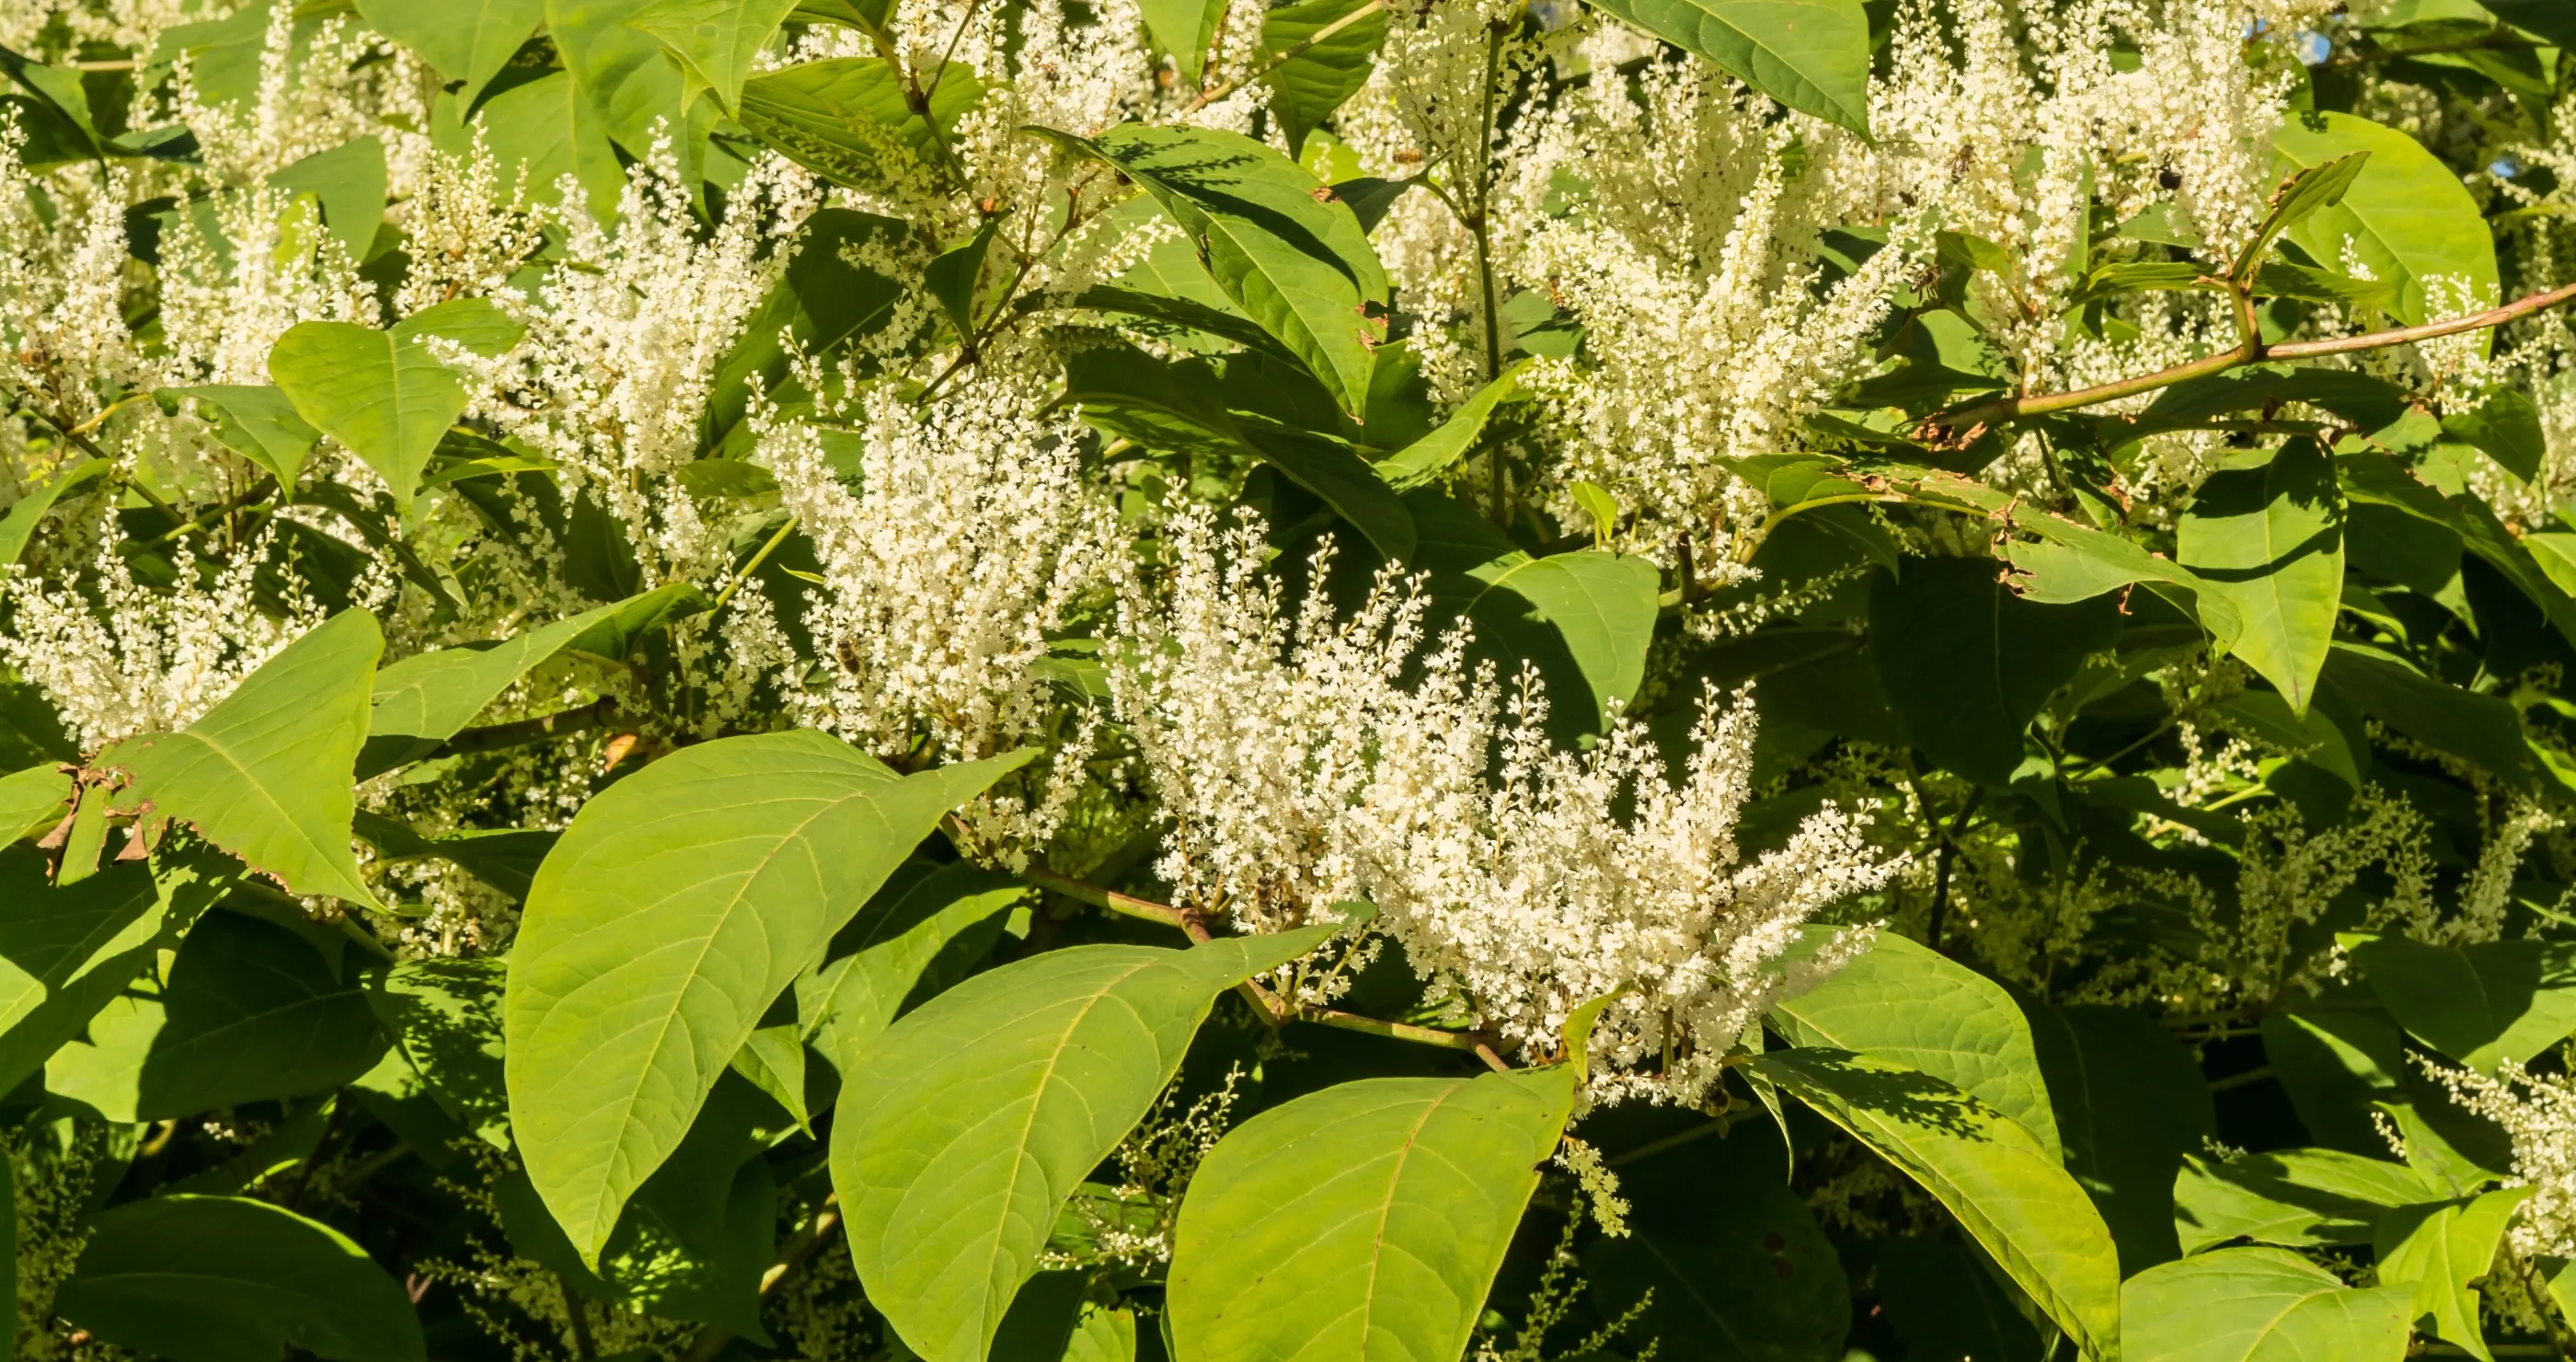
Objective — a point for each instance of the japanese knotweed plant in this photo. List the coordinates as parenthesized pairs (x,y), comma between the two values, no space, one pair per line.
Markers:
(1338,681)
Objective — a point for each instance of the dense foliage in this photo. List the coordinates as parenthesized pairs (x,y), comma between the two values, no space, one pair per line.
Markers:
(1366,681)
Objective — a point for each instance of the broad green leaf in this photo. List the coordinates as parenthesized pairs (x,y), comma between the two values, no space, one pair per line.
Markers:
(2260,1305)
(467,40)
(627,79)
(2547,18)
(614,635)
(2481,1004)
(349,182)
(2296,1197)
(268,774)
(1943,1301)
(427,698)
(2298,198)
(921,933)
(1812,55)
(258,422)
(1362,1223)
(773,1059)
(2439,1250)
(1967,664)
(66,950)
(1601,605)
(252,1013)
(1909,1005)
(2480,728)
(2130,1102)
(1102,1334)
(1288,253)
(228,1279)
(1305,88)
(545,130)
(1739,1268)
(2279,279)
(963,1130)
(1184,28)
(33,800)
(1184,406)
(693,1242)
(825,303)
(845,119)
(714,41)
(1441,450)
(2266,532)
(2367,401)
(734,862)
(2333,1064)
(27,512)
(445,1015)
(952,277)
(385,394)
(2405,216)
(2507,427)
(2312,737)
(2009,1192)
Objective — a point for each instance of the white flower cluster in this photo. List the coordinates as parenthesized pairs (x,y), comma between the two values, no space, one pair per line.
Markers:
(141,660)
(1336,758)
(2538,1110)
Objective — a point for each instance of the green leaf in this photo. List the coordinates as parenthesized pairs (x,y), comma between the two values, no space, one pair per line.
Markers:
(737,860)
(446,1017)
(623,73)
(1912,1006)
(467,40)
(1362,1223)
(1740,1273)
(256,421)
(2481,1004)
(2481,728)
(2278,279)
(1287,252)
(268,774)
(2299,198)
(384,394)
(2312,737)
(845,119)
(1184,28)
(2406,215)
(2006,1189)
(65,950)
(427,698)
(28,512)
(2266,532)
(961,1133)
(1441,450)
(253,1012)
(1812,55)
(544,130)
(2298,1197)
(1967,665)
(2440,1250)
(714,41)
(951,278)
(349,182)
(2130,1102)
(2507,427)
(33,800)
(228,1279)
(2260,1305)
(921,934)
(2547,18)
(1601,605)
(1308,86)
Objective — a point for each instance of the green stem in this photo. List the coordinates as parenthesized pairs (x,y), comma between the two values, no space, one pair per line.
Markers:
(743,574)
